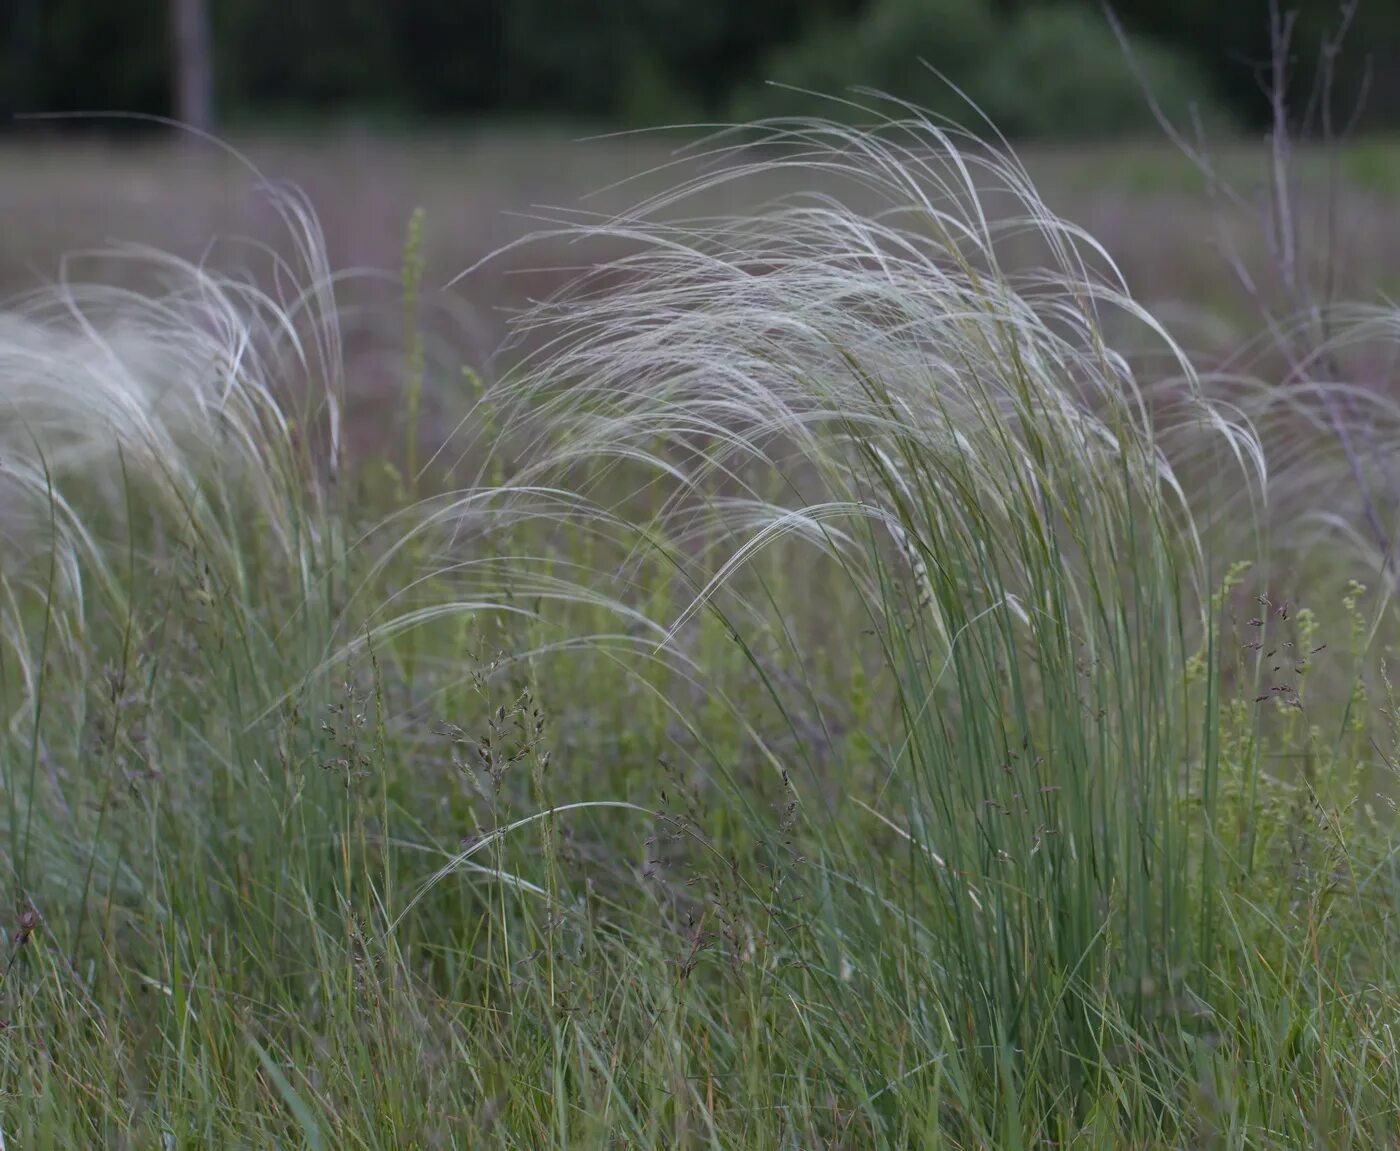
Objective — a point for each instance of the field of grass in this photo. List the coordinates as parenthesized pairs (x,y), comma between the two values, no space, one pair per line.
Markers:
(843,675)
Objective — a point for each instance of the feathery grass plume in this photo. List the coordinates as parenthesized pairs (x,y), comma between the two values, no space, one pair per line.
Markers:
(1334,396)
(955,440)
(166,458)
(816,726)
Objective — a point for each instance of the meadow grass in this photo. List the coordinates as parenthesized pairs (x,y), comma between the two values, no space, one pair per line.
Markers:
(827,693)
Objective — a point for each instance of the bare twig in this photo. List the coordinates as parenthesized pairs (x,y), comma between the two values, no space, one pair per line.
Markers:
(1279,221)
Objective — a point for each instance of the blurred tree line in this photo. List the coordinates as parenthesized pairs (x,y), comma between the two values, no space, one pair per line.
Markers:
(1036,67)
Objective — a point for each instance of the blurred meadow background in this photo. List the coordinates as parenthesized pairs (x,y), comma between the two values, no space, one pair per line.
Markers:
(784,574)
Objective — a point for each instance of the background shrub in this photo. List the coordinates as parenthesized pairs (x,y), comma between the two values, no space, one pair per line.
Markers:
(1060,72)
(1054,71)
(895,46)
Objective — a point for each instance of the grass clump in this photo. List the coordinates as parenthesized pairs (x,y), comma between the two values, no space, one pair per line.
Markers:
(829,717)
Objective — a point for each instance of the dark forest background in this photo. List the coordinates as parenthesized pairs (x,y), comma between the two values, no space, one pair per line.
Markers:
(1039,68)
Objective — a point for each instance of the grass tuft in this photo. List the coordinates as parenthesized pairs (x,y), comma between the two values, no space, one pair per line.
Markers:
(862,687)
